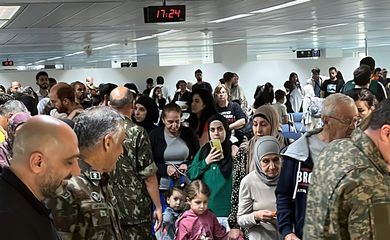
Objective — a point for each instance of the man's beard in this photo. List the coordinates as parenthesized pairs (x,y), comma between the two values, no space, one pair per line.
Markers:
(50,186)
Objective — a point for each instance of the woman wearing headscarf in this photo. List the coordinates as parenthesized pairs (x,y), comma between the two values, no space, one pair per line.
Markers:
(265,123)
(214,167)
(145,113)
(257,201)
(6,147)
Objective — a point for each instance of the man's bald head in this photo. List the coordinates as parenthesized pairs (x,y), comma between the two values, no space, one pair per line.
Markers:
(41,134)
(121,97)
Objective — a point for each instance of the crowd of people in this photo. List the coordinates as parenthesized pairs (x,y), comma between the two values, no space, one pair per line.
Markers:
(80,161)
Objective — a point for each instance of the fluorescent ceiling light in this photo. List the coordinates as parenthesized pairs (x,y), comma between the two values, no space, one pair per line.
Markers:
(226,42)
(293,32)
(40,61)
(156,35)
(7,12)
(166,33)
(54,58)
(277,7)
(144,38)
(106,46)
(330,26)
(2,23)
(231,18)
(75,53)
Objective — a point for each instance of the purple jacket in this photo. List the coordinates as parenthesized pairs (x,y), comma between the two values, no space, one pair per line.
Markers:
(191,226)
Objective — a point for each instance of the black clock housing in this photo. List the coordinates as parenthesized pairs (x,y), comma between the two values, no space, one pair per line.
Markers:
(161,14)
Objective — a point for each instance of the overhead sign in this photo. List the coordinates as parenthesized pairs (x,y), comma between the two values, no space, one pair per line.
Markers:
(308,53)
(8,63)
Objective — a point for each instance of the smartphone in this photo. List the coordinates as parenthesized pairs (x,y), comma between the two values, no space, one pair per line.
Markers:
(217,144)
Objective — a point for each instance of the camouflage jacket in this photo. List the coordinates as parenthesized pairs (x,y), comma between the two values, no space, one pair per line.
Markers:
(349,197)
(87,208)
(133,167)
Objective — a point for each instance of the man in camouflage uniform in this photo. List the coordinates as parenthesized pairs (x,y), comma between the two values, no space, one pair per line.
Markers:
(87,207)
(135,181)
(350,193)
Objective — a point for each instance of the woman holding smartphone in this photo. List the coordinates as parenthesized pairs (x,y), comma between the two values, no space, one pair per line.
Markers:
(214,167)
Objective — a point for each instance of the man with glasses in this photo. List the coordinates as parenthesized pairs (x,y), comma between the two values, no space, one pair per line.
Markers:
(350,192)
(339,115)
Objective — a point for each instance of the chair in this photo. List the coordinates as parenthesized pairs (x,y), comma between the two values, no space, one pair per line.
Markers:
(292,135)
(296,118)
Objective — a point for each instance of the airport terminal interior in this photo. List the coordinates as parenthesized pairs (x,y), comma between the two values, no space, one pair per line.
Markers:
(197,119)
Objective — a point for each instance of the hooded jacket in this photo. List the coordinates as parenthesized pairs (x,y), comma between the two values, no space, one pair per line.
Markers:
(292,188)
(191,226)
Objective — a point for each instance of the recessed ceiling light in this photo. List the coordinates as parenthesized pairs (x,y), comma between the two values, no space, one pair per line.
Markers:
(231,18)
(280,6)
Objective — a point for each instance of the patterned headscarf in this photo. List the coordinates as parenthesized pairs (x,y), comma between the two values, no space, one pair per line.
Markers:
(14,122)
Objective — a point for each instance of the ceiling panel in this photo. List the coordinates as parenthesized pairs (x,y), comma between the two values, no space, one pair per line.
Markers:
(44,29)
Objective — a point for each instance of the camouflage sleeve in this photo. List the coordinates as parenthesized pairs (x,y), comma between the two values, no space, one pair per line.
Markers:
(147,167)
(66,215)
(239,165)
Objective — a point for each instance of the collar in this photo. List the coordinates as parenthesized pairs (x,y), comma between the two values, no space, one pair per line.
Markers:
(95,177)
(369,149)
(8,176)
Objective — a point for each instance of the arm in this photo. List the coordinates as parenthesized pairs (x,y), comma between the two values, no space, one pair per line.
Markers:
(237,124)
(245,214)
(152,188)
(66,214)
(182,232)
(284,197)
(219,230)
(197,167)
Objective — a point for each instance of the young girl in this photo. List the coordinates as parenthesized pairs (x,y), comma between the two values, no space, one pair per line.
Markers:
(198,222)
(175,200)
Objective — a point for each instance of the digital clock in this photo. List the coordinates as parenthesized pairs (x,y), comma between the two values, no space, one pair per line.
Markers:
(158,14)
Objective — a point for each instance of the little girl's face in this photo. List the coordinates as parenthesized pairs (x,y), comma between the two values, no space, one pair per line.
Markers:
(199,204)
(175,201)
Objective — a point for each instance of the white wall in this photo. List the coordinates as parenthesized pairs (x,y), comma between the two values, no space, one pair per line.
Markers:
(251,73)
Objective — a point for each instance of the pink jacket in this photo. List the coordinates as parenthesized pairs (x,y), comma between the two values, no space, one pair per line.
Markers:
(195,227)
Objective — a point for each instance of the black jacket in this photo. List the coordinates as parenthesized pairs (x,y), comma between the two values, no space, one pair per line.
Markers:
(22,215)
(159,145)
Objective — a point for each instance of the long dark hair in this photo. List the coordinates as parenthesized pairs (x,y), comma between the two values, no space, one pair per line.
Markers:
(208,111)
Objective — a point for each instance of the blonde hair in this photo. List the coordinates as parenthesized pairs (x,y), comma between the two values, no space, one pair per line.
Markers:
(196,187)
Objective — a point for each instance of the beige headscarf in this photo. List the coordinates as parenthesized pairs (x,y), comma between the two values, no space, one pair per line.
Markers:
(268,113)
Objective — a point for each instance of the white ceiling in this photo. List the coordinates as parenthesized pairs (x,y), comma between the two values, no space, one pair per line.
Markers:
(44,29)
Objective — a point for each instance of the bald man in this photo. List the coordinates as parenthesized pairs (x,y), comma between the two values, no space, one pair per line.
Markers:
(135,180)
(45,154)
(15,87)
(87,207)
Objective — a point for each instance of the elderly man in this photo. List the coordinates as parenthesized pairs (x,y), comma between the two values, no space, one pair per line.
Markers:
(87,207)
(350,193)
(135,181)
(63,99)
(45,153)
(340,117)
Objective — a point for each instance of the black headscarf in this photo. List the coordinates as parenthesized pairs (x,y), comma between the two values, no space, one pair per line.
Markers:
(151,115)
(226,164)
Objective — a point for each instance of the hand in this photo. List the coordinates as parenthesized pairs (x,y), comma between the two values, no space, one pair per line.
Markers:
(234,234)
(264,215)
(291,236)
(171,171)
(214,156)
(183,167)
(157,214)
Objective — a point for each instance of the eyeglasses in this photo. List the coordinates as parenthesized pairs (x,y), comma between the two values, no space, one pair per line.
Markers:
(355,122)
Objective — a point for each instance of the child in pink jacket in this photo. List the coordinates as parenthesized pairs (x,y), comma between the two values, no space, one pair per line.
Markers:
(199,223)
